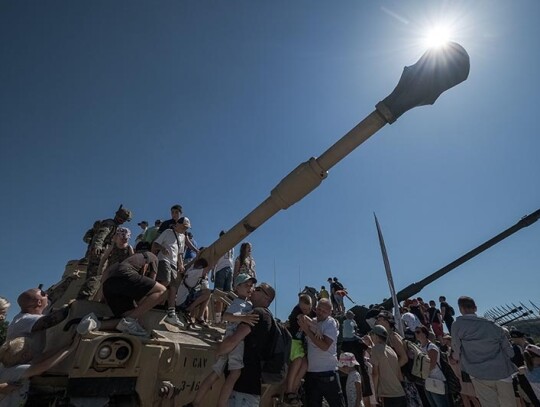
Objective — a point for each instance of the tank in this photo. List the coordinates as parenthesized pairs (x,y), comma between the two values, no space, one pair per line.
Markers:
(113,369)
(362,313)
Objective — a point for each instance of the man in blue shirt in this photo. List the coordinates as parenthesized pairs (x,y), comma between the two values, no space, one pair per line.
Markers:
(485,352)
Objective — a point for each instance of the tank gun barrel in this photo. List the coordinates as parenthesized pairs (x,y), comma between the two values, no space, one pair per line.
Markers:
(420,84)
(415,288)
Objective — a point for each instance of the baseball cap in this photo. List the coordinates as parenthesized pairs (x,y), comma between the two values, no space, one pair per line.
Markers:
(242,278)
(184,221)
(380,330)
(157,222)
(514,333)
(535,349)
(177,207)
(143,222)
(347,359)
(386,315)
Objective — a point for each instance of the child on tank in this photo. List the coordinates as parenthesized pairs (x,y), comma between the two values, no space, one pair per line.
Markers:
(236,313)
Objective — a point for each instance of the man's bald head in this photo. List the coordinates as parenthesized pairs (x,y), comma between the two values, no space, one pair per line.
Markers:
(32,301)
(263,295)
(323,309)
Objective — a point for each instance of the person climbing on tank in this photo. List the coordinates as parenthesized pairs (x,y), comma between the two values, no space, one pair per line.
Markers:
(33,320)
(171,246)
(132,281)
(237,312)
(115,254)
(101,240)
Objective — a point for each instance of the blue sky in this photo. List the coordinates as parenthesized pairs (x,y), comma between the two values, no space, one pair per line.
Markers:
(210,103)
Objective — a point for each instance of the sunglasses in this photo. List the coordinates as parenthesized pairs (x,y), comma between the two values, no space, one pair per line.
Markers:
(262,289)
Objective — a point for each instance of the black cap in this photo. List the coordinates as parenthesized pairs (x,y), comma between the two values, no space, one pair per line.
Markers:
(514,333)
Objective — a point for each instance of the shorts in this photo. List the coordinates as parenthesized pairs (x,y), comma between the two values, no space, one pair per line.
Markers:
(234,357)
(166,273)
(190,299)
(297,349)
(437,329)
(223,280)
(121,291)
(238,399)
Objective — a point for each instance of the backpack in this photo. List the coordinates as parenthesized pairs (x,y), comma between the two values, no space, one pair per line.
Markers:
(420,361)
(338,286)
(454,385)
(451,311)
(275,363)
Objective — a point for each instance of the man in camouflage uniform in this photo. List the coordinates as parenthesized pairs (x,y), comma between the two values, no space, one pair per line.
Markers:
(100,241)
(87,238)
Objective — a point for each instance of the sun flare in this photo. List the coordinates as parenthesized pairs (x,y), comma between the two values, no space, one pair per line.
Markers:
(437,36)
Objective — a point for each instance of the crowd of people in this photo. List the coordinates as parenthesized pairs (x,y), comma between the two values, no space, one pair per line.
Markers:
(421,355)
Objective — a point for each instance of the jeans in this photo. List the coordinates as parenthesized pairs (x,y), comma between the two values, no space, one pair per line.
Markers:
(394,401)
(323,384)
(438,400)
(223,280)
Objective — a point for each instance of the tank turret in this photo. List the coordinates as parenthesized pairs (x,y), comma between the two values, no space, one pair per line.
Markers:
(111,368)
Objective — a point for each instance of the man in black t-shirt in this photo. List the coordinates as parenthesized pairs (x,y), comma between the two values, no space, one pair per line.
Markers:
(445,313)
(332,289)
(247,389)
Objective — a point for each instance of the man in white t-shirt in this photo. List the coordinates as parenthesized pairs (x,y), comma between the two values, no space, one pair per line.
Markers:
(171,262)
(31,322)
(322,378)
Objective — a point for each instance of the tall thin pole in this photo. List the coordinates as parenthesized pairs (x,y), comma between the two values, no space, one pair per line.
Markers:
(386,261)
(275,288)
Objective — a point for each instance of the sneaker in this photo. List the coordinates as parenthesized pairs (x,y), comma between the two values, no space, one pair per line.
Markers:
(131,326)
(174,320)
(88,324)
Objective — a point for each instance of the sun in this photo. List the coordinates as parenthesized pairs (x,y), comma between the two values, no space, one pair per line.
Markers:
(437,36)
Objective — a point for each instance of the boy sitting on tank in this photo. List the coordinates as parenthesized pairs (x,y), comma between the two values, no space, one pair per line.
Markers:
(193,294)
(235,313)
